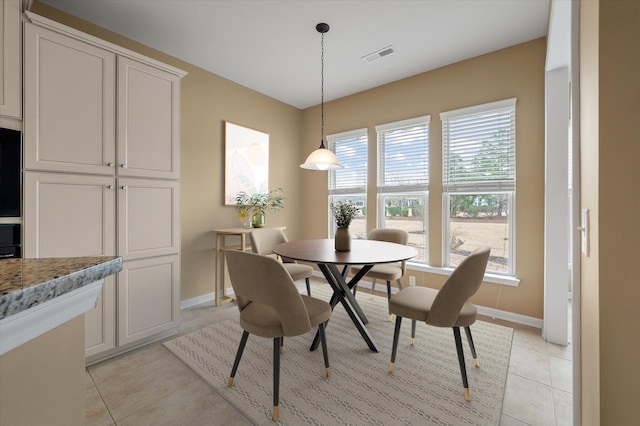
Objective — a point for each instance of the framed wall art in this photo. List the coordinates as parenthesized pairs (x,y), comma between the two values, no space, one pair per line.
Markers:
(246,165)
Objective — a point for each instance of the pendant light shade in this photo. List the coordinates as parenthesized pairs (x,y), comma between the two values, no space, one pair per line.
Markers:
(322,158)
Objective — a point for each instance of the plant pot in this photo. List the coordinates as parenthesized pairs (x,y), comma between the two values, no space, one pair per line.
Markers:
(342,239)
(258,220)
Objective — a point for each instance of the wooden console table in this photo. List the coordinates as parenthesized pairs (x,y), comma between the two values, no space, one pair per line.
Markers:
(221,296)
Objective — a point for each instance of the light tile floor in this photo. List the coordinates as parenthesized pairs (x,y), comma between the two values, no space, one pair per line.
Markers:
(150,386)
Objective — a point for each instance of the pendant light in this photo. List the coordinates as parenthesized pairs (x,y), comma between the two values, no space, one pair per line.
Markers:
(322,158)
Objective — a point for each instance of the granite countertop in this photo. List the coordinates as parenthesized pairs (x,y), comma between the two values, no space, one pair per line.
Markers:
(28,282)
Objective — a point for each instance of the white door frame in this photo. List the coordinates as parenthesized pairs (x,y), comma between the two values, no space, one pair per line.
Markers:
(575,212)
(562,103)
(556,212)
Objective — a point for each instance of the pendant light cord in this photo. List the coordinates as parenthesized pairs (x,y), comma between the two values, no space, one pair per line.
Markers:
(322,88)
(322,158)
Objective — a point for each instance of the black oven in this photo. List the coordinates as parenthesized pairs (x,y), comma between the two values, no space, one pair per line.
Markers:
(10,240)
(10,172)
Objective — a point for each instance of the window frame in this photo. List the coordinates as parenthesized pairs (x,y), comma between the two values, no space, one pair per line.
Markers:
(414,189)
(355,191)
(480,187)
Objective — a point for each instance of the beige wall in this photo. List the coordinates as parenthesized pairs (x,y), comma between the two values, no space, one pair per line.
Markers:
(42,382)
(207,101)
(513,72)
(610,153)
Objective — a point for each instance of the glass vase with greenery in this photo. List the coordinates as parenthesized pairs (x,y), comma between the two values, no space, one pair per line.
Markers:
(257,205)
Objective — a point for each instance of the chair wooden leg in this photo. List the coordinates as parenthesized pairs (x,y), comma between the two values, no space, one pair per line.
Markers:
(373,288)
(467,331)
(243,342)
(399,284)
(306,280)
(276,376)
(413,332)
(325,353)
(463,369)
(394,348)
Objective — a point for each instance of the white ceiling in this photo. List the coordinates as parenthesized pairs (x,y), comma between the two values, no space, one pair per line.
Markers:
(271,46)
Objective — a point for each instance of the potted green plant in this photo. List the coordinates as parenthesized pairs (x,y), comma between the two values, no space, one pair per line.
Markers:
(255,206)
(343,213)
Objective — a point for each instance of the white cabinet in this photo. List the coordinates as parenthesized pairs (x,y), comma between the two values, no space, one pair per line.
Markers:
(100,322)
(69,104)
(148,298)
(69,215)
(148,218)
(10,73)
(102,144)
(72,96)
(81,215)
(148,121)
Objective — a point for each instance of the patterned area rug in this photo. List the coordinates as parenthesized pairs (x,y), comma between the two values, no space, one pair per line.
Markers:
(425,388)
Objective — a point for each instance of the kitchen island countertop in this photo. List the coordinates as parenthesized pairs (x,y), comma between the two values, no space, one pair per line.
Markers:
(38,295)
(25,283)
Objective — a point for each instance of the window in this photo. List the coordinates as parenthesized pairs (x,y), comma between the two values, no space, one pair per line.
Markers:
(403,179)
(478,178)
(350,183)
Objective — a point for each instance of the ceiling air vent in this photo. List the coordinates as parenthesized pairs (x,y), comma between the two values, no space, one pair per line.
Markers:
(379,54)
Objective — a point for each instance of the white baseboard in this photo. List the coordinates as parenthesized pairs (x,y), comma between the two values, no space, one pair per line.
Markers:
(510,316)
(184,304)
(490,312)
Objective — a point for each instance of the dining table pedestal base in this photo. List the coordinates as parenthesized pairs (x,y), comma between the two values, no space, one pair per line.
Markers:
(342,294)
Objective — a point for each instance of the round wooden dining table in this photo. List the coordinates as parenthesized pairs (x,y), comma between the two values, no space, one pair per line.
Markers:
(363,252)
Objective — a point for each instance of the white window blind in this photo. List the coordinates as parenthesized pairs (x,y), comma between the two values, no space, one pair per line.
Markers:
(479,147)
(351,150)
(403,155)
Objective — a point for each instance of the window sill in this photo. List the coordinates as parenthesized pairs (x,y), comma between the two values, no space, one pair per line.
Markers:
(488,277)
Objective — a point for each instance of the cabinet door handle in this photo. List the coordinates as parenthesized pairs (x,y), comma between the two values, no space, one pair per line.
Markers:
(123,165)
(110,164)
(123,187)
(109,186)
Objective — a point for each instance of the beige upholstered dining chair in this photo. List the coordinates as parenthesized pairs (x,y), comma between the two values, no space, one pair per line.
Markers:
(386,271)
(264,240)
(449,307)
(271,306)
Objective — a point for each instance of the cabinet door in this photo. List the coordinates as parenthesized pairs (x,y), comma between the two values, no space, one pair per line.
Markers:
(148,121)
(69,100)
(100,322)
(10,74)
(148,298)
(68,215)
(74,215)
(148,218)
